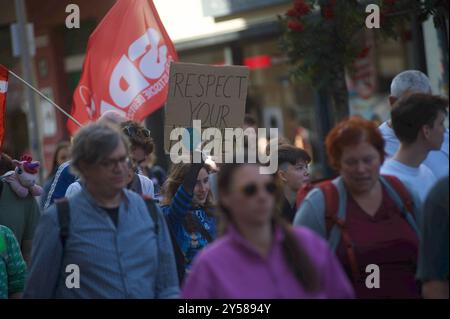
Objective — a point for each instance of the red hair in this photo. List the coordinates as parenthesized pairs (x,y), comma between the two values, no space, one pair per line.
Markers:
(351,132)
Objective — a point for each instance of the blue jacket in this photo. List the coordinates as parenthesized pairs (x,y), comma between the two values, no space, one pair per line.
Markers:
(189,243)
(127,261)
(62,180)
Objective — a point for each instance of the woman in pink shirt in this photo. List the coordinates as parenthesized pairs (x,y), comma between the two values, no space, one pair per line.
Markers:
(260,256)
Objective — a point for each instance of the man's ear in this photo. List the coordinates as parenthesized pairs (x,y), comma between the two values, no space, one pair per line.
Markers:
(392,100)
(282,175)
(426,131)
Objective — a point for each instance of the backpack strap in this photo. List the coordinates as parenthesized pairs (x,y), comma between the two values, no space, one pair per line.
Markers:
(401,190)
(136,185)
(63,210)
(404,201)
(153,211)
(302,193)
(331,204)
(331,218)
(349,249)
(180,259)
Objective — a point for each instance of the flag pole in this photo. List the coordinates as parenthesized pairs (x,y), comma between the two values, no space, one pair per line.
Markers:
(44,97)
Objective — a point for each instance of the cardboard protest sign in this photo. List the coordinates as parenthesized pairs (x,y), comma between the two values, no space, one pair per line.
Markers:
(215,95)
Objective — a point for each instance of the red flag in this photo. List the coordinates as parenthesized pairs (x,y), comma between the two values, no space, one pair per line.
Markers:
(3,90)
(126,67)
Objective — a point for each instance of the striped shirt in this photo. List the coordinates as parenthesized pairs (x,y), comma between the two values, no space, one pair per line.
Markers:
(127,261)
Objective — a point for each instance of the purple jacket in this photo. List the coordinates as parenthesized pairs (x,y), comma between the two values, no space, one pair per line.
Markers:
(231,268)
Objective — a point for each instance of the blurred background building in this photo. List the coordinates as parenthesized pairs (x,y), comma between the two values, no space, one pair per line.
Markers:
(217,32)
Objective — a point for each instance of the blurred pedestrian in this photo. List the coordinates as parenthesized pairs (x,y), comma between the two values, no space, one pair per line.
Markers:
(433,254)
(156,173)
(20,214)
(140,143)
(188,206)
(418,123)
(61,155)
(293,173)
(368,219)
(141,147)
(105,229)
(13,269)
(260,256)
(405,83)
(64,176)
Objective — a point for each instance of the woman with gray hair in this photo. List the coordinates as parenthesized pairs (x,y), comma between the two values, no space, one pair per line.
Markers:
(108,235)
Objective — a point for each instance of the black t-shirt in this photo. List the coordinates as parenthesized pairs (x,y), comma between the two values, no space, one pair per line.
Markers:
(113,213)
(288,212)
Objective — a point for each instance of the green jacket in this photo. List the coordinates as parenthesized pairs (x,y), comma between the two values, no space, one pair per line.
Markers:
(12,265)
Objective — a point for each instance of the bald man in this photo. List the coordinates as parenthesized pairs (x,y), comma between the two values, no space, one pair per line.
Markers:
(113,117)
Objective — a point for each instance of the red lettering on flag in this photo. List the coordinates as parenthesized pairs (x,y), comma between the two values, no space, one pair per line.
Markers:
(126,67)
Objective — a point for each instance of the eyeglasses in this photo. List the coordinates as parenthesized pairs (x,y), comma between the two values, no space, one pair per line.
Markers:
(132,131)
(111,163)
(252,189)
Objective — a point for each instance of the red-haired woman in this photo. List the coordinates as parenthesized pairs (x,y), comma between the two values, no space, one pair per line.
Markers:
(372,227)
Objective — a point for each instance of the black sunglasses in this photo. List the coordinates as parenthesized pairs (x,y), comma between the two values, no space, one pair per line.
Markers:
(252,189)
(133,131)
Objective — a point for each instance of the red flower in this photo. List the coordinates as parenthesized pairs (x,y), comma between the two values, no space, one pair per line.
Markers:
(292,13)
(296,26)
(328,13)
(301,7)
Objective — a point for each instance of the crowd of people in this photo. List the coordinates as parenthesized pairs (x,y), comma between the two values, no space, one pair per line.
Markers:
(228,231)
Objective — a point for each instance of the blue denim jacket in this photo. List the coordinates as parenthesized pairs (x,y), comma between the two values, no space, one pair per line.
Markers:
(130,261)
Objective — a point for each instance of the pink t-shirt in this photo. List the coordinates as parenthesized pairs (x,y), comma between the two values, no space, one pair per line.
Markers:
(231,268)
